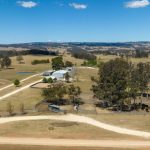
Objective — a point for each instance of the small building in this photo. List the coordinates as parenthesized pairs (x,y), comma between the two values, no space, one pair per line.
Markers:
(47,73)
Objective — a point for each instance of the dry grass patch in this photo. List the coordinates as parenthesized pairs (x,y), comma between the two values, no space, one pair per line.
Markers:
(106,58)
(22,84)
(29,97)
(22,147)
(129,120)
(58,130)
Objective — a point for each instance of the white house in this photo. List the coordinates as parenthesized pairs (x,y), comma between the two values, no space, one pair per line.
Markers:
(60,74)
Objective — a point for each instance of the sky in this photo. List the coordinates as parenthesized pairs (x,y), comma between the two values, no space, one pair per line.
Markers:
(24,21)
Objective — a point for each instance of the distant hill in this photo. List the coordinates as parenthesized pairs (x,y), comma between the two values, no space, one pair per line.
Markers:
(53,44)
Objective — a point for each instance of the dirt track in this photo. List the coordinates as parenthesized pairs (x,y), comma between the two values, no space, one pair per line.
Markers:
(76,143)
(79,143)
(17,91)
(20,81)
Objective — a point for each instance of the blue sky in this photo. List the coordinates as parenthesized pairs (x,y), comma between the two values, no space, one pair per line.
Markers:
(74,20)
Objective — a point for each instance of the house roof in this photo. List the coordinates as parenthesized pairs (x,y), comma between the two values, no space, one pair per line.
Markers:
(60,72)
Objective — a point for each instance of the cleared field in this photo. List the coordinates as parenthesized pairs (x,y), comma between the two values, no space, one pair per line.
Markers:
(84,79)
(9,75)
(29,97)
(24,83)
(59,130)
(127,120)
(106,58)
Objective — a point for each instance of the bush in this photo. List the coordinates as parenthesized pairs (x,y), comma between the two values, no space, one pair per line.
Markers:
(50,80)
(16,82)
(68,64)
(35,62)
(45,80)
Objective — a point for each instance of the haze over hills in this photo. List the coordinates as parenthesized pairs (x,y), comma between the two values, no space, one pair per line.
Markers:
(140,43)
(56,44)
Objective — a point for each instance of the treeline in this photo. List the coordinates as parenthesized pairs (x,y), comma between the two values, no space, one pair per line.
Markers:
(43,61)
(78,52)
(27,52)
(58,63)
(141,54)
(56,93)
(120,82)
(5,62)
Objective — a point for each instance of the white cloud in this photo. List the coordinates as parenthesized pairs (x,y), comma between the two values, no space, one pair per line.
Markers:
(26,4)
(137,4)
(78,6)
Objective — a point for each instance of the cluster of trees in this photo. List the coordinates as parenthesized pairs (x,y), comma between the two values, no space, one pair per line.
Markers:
(49,80)
(5,62)
(11,53)
(141,54)
(58,93)
(43,61)
(78,52)
(58,63)
(119,82)
(41,52)
(19,58)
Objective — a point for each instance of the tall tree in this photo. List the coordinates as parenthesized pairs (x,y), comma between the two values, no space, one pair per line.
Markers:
(19,58)
(143,74)
(67,77)
(74,92)
(7,61)
(54,93)
(57,63)
(112,82)
(133,83)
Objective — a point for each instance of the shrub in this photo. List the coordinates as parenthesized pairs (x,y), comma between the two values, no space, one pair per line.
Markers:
(45,80)
(50,80)
(43,61)
(16,82)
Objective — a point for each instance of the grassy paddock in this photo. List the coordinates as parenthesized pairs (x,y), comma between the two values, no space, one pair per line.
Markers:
(59,130)
(129,120)
(13,88)
(106,58)
(29,97)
